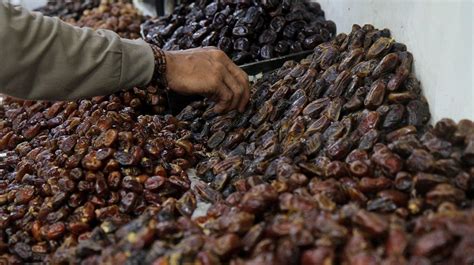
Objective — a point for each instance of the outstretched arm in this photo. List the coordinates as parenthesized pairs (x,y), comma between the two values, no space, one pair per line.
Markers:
(45,58)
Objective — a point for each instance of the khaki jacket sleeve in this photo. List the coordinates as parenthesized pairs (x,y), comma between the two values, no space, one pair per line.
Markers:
(47,59)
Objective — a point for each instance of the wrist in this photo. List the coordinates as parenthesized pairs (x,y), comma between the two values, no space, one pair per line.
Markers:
(159,72)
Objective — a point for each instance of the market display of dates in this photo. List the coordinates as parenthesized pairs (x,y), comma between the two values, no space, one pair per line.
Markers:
(67,9)
(334,161)
(246,30)
(121,17)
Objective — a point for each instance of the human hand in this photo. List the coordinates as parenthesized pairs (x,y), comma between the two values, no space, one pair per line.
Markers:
(208,72)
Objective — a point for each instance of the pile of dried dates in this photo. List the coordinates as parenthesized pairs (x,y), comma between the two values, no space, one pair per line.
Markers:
(269,226)
(333,162)
(422,214)
(67,9)
(117,15)
(68,167)
(349,99)
(121,17)
(71,166)
(246,30)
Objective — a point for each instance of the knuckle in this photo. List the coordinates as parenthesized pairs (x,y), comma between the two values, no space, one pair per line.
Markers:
(219,54)
(215,82)
(215,78)
(227,97)
(240,91)
(219,68)
(244,77)
(210,91)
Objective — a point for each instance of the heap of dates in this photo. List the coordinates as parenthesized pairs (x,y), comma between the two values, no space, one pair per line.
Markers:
(70,166)
(116,15)
(67,9)
(333,162)
(246,30)
(120,16)
(317,116)
(270,226)
(67,167)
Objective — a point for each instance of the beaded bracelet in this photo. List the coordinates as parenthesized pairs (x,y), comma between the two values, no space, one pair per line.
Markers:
(159,74)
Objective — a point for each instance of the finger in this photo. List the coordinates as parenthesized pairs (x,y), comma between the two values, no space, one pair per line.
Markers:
(238,73)
(245,100)
(222,62)
(224,96)
(237,90)
(243,83)
(241,76)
